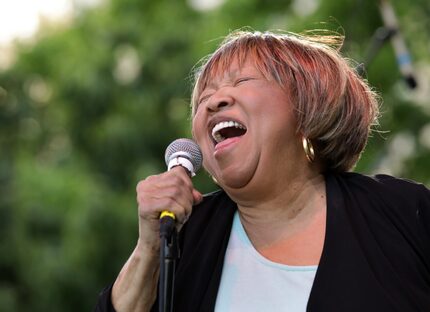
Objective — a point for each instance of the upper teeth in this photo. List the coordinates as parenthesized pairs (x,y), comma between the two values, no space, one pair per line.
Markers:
(221,125)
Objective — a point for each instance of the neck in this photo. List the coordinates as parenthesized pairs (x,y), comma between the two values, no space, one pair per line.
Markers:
(288,213)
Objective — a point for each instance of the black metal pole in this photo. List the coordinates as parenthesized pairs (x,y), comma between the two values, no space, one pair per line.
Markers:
(169,253)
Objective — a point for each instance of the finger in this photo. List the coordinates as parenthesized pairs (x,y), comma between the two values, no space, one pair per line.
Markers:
(180,172)
(179,193)
(162,186)
(175,183)
(182,195)
(197,197)
(172,191)
(153,209)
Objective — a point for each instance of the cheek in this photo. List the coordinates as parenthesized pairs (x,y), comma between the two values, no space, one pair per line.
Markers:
(208,168)
(194,126)
(198,131)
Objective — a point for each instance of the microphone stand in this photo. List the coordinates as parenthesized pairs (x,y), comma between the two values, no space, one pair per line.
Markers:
(380,37)
(169,253)
(390,31)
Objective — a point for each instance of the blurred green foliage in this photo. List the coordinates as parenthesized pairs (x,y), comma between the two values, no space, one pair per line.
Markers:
(87,109)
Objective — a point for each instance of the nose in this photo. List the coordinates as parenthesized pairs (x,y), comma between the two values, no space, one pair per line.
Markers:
(219,101)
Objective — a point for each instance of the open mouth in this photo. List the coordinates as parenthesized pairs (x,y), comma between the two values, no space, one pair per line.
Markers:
(227,129)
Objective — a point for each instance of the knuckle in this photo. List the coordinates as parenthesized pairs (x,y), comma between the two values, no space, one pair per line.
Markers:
(139,185)
(188,185)
(141,200)
(151,178)
(170,201)
(176,179)
(143,184)
(176,192)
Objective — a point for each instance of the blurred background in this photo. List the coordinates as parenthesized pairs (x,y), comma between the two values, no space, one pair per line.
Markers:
(92,92)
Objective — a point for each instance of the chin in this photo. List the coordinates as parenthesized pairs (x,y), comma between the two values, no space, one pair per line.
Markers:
(233,175)
(234,180)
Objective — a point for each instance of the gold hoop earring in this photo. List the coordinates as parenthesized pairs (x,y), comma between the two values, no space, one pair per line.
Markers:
(309,149)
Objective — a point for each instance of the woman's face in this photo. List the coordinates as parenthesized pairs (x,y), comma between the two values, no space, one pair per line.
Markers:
(245,127)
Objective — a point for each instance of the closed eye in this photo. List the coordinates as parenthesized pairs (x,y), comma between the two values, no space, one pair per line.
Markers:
(204,98)
(241,80)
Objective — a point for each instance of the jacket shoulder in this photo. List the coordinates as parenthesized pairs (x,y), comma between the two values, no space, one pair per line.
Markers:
(403,202)
(387,188)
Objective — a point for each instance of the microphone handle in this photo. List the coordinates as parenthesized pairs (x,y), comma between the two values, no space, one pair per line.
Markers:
(169,249)
(168,215)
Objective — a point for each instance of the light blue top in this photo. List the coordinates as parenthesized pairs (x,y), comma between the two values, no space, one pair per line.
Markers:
(250,282)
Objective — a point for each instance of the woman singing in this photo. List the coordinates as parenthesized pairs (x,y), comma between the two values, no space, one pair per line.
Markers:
(281,119)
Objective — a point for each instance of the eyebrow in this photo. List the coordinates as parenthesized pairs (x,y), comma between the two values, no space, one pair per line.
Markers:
(230,73)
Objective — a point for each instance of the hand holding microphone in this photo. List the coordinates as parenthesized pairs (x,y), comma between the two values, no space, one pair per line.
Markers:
(170,194)
(172,191)
(183,153)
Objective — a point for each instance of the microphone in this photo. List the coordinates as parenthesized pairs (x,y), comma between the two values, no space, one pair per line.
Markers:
(403,56)
(185,153)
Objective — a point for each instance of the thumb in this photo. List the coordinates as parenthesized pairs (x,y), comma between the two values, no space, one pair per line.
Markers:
(197,197)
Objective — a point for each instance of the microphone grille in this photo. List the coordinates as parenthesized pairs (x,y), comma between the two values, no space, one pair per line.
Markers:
(186,148)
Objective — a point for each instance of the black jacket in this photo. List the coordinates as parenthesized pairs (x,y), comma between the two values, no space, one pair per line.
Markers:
(376,254)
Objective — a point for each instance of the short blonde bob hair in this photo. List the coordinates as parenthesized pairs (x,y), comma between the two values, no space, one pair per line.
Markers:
(334,107)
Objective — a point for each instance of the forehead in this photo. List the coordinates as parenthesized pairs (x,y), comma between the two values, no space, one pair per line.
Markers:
(229,70)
